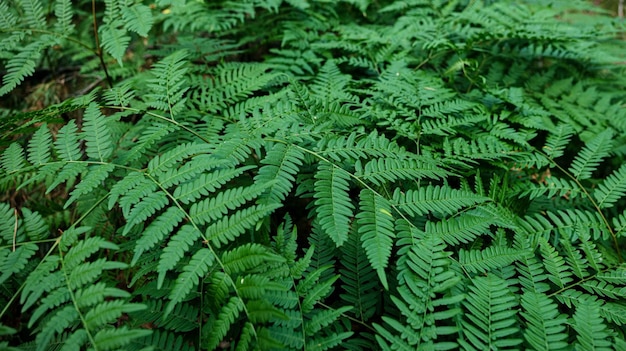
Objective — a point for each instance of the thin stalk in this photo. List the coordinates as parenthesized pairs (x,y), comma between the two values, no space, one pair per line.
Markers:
(98,51)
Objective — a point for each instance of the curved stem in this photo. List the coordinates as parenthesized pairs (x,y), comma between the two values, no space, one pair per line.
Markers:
(98,50)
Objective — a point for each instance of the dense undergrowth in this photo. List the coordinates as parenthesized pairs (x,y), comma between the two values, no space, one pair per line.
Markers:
(311,175)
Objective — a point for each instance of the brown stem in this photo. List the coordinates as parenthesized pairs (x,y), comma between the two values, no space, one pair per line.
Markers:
(98,50)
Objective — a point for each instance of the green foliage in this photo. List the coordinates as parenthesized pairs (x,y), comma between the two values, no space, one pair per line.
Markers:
(319,175)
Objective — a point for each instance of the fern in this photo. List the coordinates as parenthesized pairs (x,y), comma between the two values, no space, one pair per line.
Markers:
(334,207)
(288,175)
(492,308)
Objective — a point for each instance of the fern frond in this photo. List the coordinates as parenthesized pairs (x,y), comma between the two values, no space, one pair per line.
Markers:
(15,261)
(228,228)
(114,39)
(206,183)
(97,134)
(333,205)
(461,229)
(379,171)
(589,158)
(281,164)
(193,271)
(160,165)
(138,18)
(64,12)
(555,264)
(612,189)
(33,11)
(168,84)
(178,245)
(425,282)
(67,143)
(143,210)
(113,339)
(221,324)
(39,146)
(213,208)
(376,229)
(557,140)
(545,326)
(13,159)
(157,230)
(592,333)
(94,177)
(23,64)
(433,198)
(492,257)
(490,323)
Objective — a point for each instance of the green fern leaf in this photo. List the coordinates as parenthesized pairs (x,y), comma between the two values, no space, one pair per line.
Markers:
(114,39)
(558,139)
(328,342)
(114,339)
(94,177)
(169,84)
(592,333)
(281,163)
(13,159)
(15,261)
(461,229)
(491,258)
(437,199)
(39,146)
(156,232)
(130,189)
(221,324)
(214,208)
(375,223)
(196,269)
(97,135)
(207,183)
(545,328)
(531,274)
(229,228)
(490,323)
(359,283)
(589,158)
(380,171)
(138,18)
(35,225)
(247,256)
(160,165)
(555,264)
(323,318)
(67,143)
(108,312)
(178,245)
(148,206)
(7,18)
(63,12)
(33,13)
(62,319)
(190,170)
(612,189)
(333,205)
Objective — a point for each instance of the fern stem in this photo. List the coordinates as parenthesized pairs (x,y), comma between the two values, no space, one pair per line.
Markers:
(98,51)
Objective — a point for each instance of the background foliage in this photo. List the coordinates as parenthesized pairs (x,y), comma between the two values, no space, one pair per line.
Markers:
(269,174)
